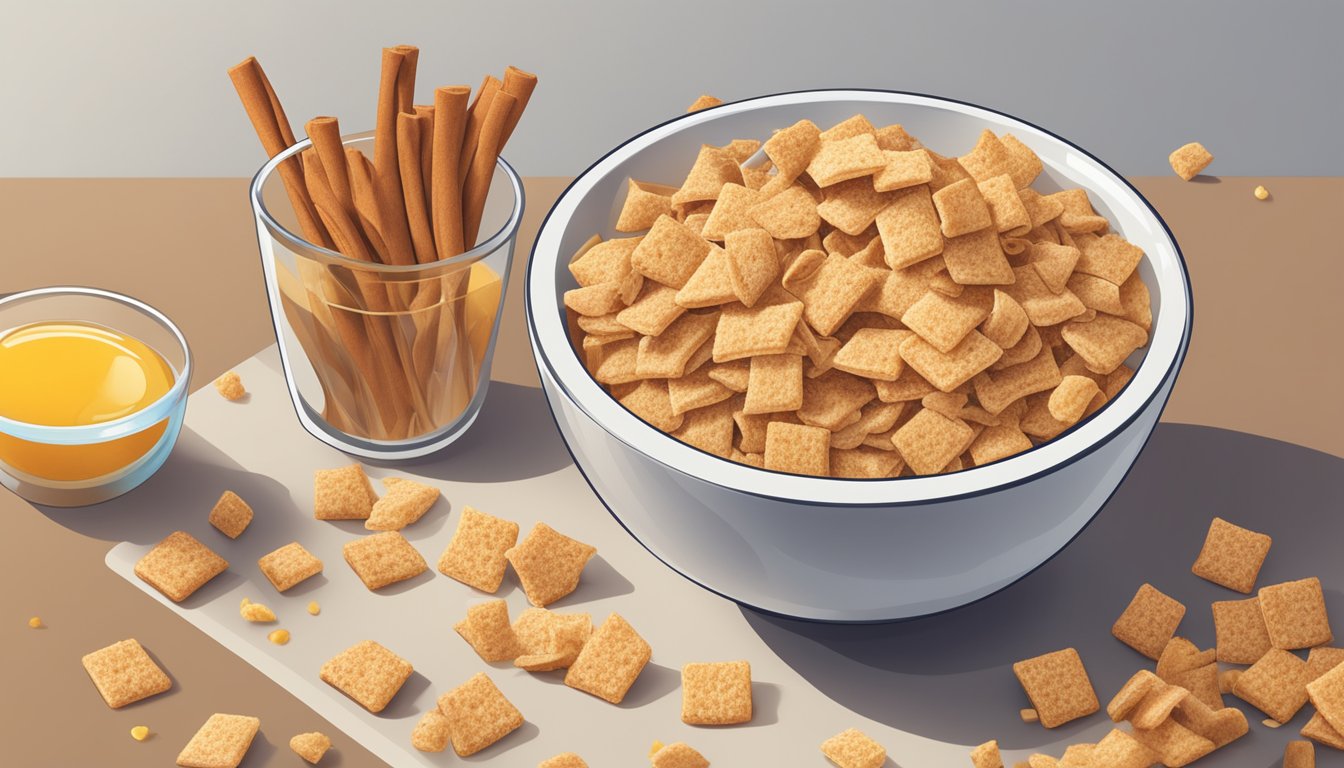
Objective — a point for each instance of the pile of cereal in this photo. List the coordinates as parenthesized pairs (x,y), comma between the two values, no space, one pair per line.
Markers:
(860,306)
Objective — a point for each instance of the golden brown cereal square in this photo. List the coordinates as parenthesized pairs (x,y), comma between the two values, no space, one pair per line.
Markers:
(179,565)
(342,494)
(652,311)
(731,211)
(874,417)
(1276,684)
(1042,305)
(1132,693)
(1119,749)
(669,253)
(895,138)
(563,760)
(873,353)
(987,755)
(405,502)
(999,442)
(1242,637)
(1023,163)
(830,294)
(651,401)
(903,169)
(1319,730)
(710,429)
(929,440)
(850,126)
(478,715)
(1327,693)
(1070,399)
(774,384)
(1096,293)
(431,732)
(831,399)
(665,356)
(764,329)
(1149,621)
(548,564)
(851,206)
(961,208)
(475,556)
(615,363)
(704,101)
(1299,754)
(1058,686)
(1006,208)
(383,559)
(851,748)
(1295,614)
(697,390)
(367,672)
(735,375)
(709,285)
(1222,726)
(977,258)
(596,300)
(792,148)
(752,264)
(716,693)
(1174,744)
(486,628)
(909,228)
(788,215)
(1078,216)
(289,565)
(220,743)
(231,515)
(610,661)
(1322,659)
(1112,258)
(603,261)
(989,157)
(1105,342)
(1000,388)
(1157,705)
(797,449)
(124,673)
(1054,264)
(552,640)
(1232,556)
(864,462)
(1189,159)
(310,746)
(949,370)
(845,159)
(944,321)
(677,755)
(644,203)
(713,168)
(1181,655)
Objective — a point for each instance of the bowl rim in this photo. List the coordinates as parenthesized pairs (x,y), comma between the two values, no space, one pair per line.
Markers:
(1168,339)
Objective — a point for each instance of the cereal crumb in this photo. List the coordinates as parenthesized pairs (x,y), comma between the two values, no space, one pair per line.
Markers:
(657,745)
(230,386)
(1261,193)
(279,636)
(256,612)
(140,733)
(1271,723)
(35,622)
(314,608)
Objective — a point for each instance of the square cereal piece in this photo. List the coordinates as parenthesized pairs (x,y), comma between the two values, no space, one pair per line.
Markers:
(310,746)
(644,203)
(944,321)
(1058,686)
(1174,744)
(124,673)
(669,253)
(1239,625)
(220,743)
(710,429)
(1231,556)
(1295,614)
(830,294)
(832,400)
(1319,730)
(652,311)
(289,565)
(1104,342)
(476,555)
(405,502)
(552,640)
(563,760)
(678,754)
(595,300)
(431,732)
(850,126)
(998,442)
(709,285)
(486,628)
(696,390)
(909,228)
(1054,264)
(929,440)
(864,462)
(610,661)
(988,158)
(179,565)
(1299,754)
(851,206)
(731,211)
(342,494)
(713,168)
(851,748)
(949,370)
(1078,217)
(1222,726)
(665,356)
(1149,621)
(752,263)
(1024,165)
(1189,159)
(716,693)
(1043,305)
(1002,387)
(231,515)
(977,259)
(1327,693)
(1276,685)
(845,159)
(602,261)
(873,353)
(903,169)
(788,215)
(792,148)
(549,563)
(765,329)
(368,673)
(1119,749)
(797,449)
(1112,258)
(774,384)
(651,401)
(1006,208)
(894,138)
(961,208)
(478,715)
(987,755)
(383,559)
(1322,659)
(735,375)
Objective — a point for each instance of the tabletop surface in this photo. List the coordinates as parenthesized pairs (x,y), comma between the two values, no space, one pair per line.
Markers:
(1265,276)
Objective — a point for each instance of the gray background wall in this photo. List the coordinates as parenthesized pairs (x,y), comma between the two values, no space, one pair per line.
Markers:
(138,87)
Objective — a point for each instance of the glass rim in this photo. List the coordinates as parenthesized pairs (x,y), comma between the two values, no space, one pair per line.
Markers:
(129,424)
(300,245)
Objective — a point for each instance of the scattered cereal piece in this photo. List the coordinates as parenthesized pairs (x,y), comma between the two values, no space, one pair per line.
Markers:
(140,732)
(705,101)
(1319,730)
(1058,686)
(486,628)
(678,754)
(1261,193)
(230,386)
(1295,614)
(310,746)
(1174,744)
(383,559)
(1029,715)
(368,673)
(851,748)
(548,564)
(1240,629)
(1327,693)
(1270,722)
(230,515)
(477,554)
(1149,621)
(432,731)
(716,693)
(279,636)
(342,494)
(1276,685)
(1322,659)
(313,608)
(1299,754)
(1232,556)
(1220,726)
(844,159)
(256,612)
(987,755)
(220,743)
(35,622)
(478,715)
(289,565)
(548,640)
(124,673)
(179,565)
(610,661)
(1189,160)
(405,502)
(1121,750)
(563,760)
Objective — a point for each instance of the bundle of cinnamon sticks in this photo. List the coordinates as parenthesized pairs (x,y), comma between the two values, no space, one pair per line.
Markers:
(397,354)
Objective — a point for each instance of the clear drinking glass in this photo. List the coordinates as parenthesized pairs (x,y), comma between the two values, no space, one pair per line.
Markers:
(384,361)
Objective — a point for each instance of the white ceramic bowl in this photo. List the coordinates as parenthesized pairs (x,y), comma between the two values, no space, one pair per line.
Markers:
(848,550)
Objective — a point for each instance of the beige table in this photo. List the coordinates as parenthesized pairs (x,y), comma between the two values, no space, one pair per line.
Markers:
(1263,361)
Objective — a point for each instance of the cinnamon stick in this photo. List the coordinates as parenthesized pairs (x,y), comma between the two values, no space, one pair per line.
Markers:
(397,79)
(519,85)
(325,133)
(406,77)
(368,206)
(483,165)
(450,105)
(409,130)
(476,115)
(426,151)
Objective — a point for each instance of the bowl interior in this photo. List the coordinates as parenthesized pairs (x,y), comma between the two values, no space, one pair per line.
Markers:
(664,155)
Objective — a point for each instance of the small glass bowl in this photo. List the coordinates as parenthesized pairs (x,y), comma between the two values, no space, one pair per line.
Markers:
(76,443)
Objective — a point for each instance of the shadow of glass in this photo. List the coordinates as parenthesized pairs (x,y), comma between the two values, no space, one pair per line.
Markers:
(949,677)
